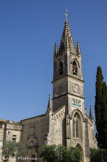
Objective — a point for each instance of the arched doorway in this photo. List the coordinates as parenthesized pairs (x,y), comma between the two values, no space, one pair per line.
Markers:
(33,158)
(81,150)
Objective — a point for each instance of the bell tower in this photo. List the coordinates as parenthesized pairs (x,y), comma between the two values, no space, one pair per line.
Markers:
(67,74)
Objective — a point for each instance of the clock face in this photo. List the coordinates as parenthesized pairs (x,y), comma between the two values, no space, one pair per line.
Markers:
(76,102)
(76,88)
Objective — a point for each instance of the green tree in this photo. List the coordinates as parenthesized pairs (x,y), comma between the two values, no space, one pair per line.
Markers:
(12,149)
(98,105)
(61,151)
(53,153)
(73,154)
(49,153)
(9,149)
(101,109)
(21,150)
(98,155)
(104,116)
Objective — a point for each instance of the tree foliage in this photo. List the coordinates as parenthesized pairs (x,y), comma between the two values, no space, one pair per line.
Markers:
(104,116)
(9,149)
(53,153)
(73,154)
(13,149)
(21,150)
(49,153)
(98,104)
(98,155)
(61,151)
(101,109)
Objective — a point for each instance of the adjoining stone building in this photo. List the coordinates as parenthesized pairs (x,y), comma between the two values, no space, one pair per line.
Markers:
(9,131)
(65,121)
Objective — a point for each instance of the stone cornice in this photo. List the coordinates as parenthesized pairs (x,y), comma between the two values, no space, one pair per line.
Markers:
(68,94)
(65,76)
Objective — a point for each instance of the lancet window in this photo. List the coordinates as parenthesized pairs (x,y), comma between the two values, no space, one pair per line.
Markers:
(76,126)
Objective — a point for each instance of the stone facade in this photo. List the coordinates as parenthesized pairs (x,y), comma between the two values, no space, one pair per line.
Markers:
(65,121)
(9,131)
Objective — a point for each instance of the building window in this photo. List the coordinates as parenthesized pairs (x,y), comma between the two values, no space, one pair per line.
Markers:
(14,138)
(73,128)
(74,68)
(60,68)
(8,132)
(76,126)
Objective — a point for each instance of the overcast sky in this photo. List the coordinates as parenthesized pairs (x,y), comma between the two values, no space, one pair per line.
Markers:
(28,31)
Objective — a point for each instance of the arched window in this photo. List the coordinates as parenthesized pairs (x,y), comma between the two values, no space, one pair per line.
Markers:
(32,143)
(74,68)
(73,128)
(60,68)
(76,126)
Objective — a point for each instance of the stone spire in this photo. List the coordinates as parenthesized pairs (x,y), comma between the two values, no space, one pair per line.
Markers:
(91,114)
(78,48)
(55,49)
(49,107)
(67,40)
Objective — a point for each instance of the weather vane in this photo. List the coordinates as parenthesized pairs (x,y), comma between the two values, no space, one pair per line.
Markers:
(66,13)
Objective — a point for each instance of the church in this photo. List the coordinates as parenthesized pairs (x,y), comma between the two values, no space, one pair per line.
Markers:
(65,121)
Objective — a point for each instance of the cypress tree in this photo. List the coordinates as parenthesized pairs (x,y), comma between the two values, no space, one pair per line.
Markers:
(104,116)
(98,105)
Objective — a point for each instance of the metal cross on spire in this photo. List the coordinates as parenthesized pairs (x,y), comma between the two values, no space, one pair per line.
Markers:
(66,13)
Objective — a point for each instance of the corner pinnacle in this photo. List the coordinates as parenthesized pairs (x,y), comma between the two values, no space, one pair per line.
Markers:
(78,48)
(49,107)
(55,49)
